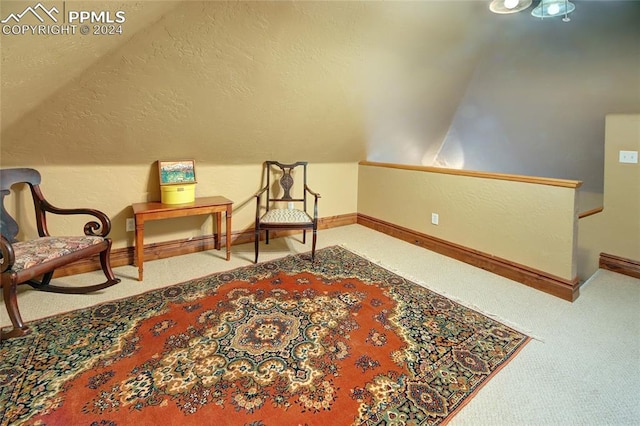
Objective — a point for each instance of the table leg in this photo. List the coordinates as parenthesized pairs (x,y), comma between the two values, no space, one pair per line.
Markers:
(218,230)
(228,220)
(139,249)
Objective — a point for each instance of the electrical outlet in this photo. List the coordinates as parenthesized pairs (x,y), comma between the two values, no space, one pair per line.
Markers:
(131,225)
(435,218)
(628,157)
(290,205)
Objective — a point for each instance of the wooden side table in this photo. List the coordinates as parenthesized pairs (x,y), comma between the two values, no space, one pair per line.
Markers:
(144,212)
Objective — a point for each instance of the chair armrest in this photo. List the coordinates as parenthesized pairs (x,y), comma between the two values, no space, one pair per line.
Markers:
(315,194)
(8,256)
(91,228)
(315,202)
(258,195)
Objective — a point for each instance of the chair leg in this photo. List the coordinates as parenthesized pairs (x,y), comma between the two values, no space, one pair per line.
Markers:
(105,263)
(267,237)
(304,236)
(256,237)
(313,246)
(38,285)
(9,292)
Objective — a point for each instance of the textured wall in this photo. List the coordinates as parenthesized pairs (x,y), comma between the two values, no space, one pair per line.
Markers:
(616,230)
(411,82)
(220,82)
(36,68)
(228,84)
(122,185)
(235,83)
(530,224)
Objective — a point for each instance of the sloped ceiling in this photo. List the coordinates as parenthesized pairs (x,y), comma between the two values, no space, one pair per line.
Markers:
(241,82)
(34,68)
(234,82)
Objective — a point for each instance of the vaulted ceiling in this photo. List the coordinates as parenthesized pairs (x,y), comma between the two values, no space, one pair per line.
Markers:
(433,82)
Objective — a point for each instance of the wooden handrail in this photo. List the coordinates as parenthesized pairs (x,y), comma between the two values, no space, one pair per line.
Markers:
(565,183)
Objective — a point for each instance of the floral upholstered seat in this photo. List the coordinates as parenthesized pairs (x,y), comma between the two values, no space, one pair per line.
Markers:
(39,250)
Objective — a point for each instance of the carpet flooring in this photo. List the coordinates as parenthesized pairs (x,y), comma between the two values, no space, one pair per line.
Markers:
(337,341)
(581,368)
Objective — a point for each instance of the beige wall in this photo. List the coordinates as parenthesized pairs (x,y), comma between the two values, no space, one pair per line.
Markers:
(616,230)
(236,82)
(113,189)
(226,83)
(231,84)
(530,224)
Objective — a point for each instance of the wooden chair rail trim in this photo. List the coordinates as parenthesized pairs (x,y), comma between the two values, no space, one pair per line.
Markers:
(565,183)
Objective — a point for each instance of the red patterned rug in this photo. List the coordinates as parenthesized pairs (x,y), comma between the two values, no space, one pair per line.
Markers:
(341,341)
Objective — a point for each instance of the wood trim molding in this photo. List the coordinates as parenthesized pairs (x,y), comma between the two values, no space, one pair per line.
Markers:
(161,250)
(620,265)
(565,289)
(562,288)
(487,175)
(590,212)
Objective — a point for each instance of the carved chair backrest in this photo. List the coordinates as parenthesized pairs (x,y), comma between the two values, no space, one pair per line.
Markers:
(283,180)
(9,177)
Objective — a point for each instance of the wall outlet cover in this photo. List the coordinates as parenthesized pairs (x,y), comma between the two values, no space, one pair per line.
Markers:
(630,157)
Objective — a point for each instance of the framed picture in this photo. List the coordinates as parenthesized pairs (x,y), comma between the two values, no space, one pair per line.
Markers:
(177,172)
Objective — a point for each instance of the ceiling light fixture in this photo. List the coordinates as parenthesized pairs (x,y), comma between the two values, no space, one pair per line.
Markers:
(553,8)
(544,9)
(509,6)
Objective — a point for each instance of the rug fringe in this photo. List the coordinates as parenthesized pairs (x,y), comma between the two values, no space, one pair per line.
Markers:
(464,303)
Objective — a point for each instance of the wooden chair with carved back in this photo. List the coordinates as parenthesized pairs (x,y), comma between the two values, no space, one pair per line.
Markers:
(279,209)
(34,260)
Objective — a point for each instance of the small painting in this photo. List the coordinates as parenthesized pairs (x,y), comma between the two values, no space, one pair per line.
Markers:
(177,172)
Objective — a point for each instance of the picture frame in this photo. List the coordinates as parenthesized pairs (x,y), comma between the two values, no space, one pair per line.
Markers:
(178,172)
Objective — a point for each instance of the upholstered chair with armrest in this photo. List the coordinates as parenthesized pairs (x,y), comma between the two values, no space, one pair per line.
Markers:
(34,261)
(278,209)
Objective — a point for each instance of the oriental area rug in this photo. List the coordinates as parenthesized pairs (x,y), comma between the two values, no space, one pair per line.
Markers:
(338,341)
